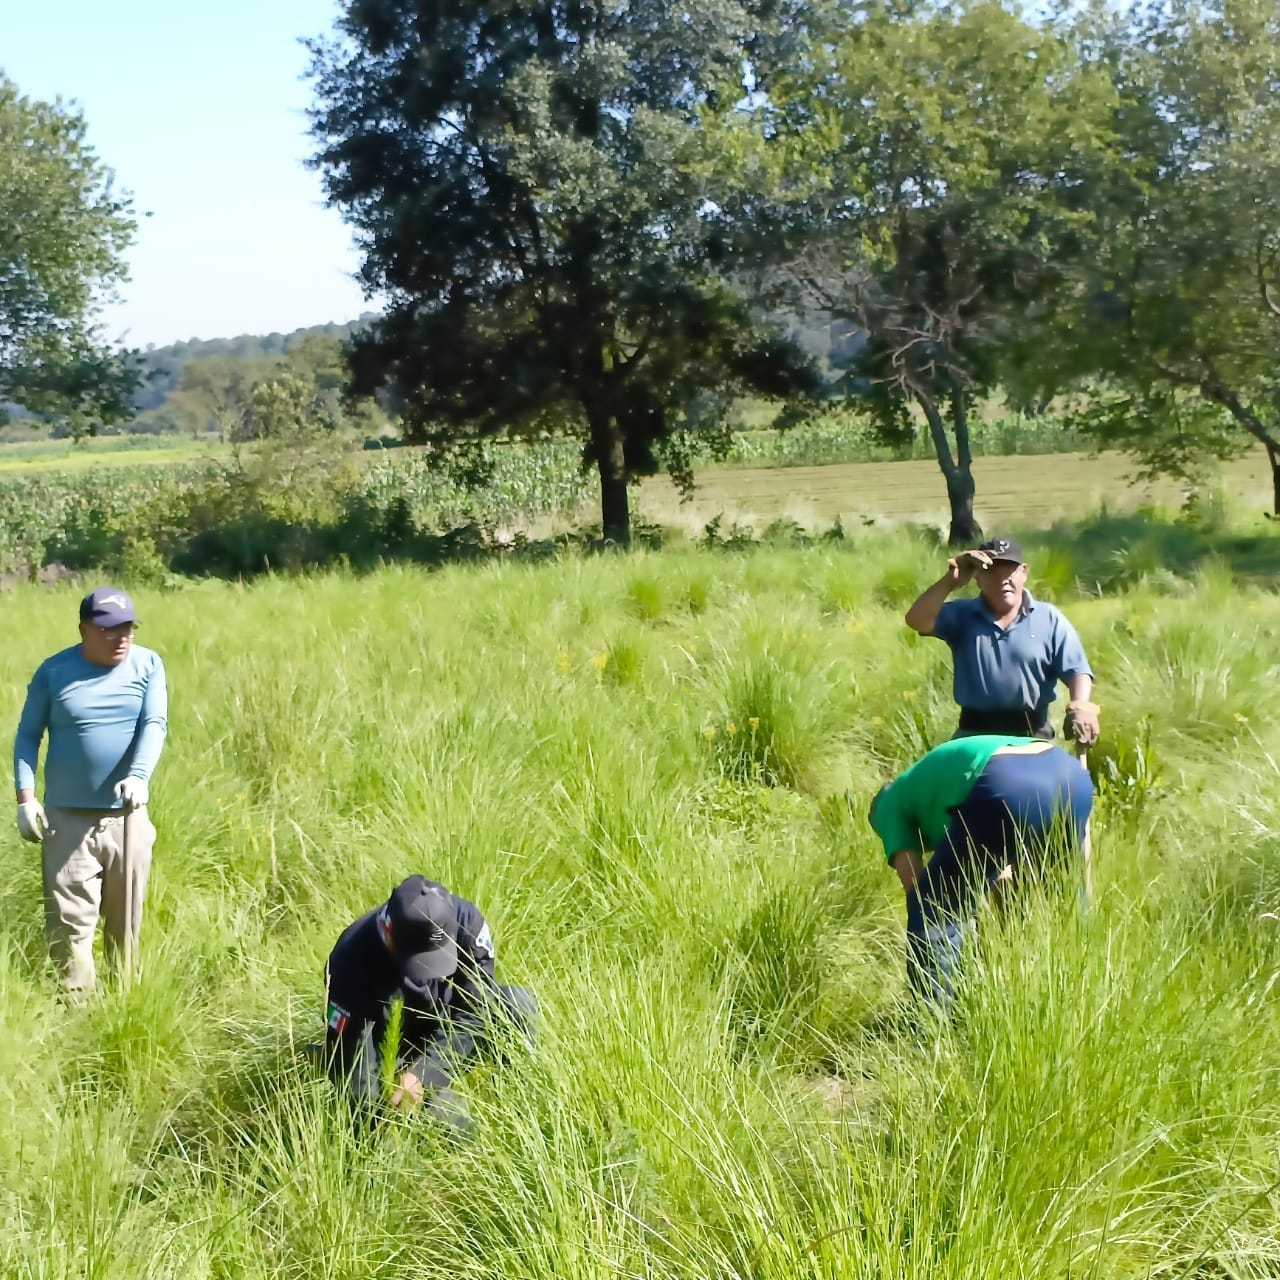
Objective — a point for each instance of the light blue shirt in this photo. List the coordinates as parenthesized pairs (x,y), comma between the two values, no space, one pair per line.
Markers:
(1009,670)
(104,724)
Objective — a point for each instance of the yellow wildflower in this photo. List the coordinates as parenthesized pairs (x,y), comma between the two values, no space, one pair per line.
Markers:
(910,695)
(731,728)
(754,722)
(709,732)
(562,661)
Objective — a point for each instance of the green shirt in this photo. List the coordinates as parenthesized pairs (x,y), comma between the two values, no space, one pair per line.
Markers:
(914,810)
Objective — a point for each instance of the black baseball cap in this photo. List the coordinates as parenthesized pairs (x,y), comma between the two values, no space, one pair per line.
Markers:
(422,928)
(1003,549)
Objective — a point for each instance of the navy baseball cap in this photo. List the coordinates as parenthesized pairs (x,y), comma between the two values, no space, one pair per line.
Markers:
(1003,549)
(107,607)
(423,929)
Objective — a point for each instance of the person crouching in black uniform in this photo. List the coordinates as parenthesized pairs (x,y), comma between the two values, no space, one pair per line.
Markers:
(432,950)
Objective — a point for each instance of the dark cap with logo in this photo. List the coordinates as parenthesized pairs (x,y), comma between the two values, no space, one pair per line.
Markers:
(423,929)
(1003,549)
(107,607)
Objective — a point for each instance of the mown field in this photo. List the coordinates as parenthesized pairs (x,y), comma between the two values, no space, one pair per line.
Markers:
(1016,491)
(651,771)
(22,458)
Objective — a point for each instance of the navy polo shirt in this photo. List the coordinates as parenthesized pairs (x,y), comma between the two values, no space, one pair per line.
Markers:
(1009,670)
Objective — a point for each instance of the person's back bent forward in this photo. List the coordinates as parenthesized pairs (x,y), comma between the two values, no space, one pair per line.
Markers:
(433,951)
(978,805)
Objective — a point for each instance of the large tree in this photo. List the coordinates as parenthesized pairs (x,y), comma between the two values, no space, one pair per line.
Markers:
(530,186)
(1176,312)
(934,154)
(64,229)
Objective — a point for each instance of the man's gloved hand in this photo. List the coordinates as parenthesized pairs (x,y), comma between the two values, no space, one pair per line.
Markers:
(33,822)
(132,793)
(1081,723)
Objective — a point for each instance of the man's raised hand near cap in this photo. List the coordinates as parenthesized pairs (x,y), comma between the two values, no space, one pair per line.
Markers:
(960,570)
(33,822)
(966,564)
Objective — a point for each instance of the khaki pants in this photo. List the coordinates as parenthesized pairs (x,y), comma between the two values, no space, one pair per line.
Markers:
(85,875)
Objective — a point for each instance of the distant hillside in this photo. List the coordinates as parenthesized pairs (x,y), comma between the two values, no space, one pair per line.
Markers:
(164,365)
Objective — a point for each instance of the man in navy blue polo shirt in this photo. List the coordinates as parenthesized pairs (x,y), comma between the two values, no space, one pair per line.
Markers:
(1010,650)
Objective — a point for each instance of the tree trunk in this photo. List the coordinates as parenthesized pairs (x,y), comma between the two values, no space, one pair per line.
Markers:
(965,531)
(1213,388)
(607,446)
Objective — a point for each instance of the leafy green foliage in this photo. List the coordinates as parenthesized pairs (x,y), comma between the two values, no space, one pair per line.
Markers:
(931,210)
(288,503)
(63,233)
(302,497)
(531,191)
(164,366)
(1175,305)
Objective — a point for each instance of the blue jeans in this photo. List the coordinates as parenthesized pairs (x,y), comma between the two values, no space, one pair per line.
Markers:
(1024,810)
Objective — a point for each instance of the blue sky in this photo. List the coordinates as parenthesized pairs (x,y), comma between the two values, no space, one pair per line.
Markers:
(199,110)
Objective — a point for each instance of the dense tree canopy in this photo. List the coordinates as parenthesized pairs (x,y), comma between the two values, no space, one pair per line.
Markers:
(63,232)
(590,215)
(1176,310)
(531,189)
(933,157)
(164,366)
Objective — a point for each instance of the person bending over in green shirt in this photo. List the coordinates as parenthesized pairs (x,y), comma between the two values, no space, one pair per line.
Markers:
(975,804)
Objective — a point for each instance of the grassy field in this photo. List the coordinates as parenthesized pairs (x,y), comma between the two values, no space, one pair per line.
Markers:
(1022,491)
(303,509)
(109,452)
(651,772)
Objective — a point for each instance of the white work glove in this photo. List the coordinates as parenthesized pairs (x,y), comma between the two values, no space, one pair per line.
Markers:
(132,793)
(33,822)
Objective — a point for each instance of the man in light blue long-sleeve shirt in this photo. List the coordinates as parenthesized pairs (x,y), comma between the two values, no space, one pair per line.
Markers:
(104,705)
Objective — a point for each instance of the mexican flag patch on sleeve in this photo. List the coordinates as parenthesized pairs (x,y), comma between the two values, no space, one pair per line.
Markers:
(337,1017)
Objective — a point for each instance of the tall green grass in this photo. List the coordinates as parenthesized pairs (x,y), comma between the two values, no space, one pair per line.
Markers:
(726,1084)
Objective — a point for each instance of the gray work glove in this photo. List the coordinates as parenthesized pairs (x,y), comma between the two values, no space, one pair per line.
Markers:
(132,793)
(1081,723)
(33,822)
